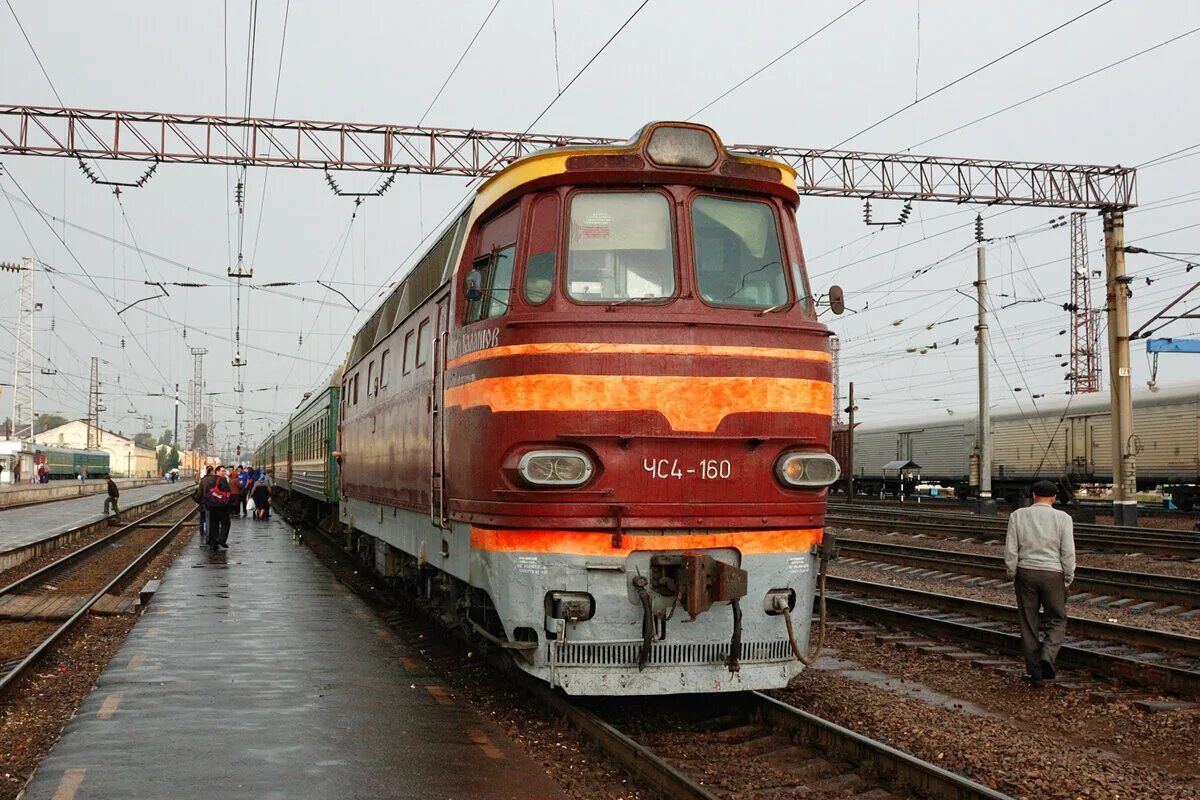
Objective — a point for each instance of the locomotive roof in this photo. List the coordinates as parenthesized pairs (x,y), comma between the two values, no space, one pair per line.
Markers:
(1073,406)
(679,147)
(554,160)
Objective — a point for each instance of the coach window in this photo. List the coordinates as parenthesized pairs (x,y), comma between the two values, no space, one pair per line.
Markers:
(738,262)
(383,376)
(371,388)
(356,388)
(423,343)
(410,344)
(620,247)
(543,250)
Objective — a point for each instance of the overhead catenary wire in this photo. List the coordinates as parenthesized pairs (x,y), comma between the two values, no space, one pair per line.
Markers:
(774,61)
(1058,87)
(973,72)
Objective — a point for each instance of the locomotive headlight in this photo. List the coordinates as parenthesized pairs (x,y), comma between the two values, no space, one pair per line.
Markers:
(556,467)
(807,469)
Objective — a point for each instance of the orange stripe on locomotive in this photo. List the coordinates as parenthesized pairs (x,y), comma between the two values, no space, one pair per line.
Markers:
(696,404)
(603,543)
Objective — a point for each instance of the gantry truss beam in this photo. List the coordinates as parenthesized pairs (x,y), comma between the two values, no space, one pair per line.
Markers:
(248,141)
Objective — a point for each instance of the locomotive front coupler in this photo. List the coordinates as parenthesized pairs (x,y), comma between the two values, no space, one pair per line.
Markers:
(699,580)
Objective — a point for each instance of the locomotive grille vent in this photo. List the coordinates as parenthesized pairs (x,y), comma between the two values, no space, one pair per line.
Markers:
(625,654)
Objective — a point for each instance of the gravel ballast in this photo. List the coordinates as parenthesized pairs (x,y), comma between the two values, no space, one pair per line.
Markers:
(1040,743)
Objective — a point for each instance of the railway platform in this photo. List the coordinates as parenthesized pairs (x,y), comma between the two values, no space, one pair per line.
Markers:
(255,674)
(17,494)
(24,526)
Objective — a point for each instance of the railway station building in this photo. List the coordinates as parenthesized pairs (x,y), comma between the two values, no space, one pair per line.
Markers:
(127,458)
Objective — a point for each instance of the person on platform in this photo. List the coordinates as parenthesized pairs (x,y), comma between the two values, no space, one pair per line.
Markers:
(41,471)
(244,478)
(1039,554)
(201,492)
(110,502)
(262,496)
(238,504)
(219,501)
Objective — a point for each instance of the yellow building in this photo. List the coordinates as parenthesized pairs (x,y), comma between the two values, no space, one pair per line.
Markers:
(126,458)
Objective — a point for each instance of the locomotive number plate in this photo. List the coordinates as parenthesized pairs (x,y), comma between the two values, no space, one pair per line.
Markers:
(707,469)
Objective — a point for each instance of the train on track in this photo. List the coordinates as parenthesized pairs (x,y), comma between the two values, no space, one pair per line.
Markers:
(591,427)
(65,463)
(1067,441)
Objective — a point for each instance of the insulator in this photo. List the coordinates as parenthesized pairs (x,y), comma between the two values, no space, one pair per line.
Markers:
(122,342)
(867,212)
(52,323)
(238,193)
(979,227)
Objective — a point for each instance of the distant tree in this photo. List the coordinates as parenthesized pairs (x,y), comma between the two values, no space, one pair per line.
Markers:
(48,421)
(173,457)
(160,458)
(199,436)
(166,437)
(145,439)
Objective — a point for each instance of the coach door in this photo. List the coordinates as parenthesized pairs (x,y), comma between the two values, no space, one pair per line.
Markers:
(437,419)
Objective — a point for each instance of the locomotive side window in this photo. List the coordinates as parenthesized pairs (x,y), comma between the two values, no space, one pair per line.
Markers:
(497,273)
(543,247)
(738,262)
(383,375)
(410,351)
(620,247)
(423,343)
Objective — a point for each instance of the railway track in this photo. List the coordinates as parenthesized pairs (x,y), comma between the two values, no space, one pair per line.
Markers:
(36,611)
(1185,519)
(669,743)
(1102,538)
(752,746)
(1142,656)
(1160,593)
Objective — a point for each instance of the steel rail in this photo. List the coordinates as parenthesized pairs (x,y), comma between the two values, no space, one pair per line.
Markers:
(895,769)
(1168,589)
(85,551)
(899,769)
(974,622)
(1001,521)
(1098,537)
(35,655)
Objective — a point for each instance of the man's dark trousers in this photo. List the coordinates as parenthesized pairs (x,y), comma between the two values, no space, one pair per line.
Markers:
(218,526)
(1040,589)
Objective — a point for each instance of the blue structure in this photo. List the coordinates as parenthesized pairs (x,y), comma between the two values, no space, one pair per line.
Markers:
(1173,345)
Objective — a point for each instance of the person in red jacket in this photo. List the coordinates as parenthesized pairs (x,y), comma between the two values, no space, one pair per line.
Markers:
(218,501)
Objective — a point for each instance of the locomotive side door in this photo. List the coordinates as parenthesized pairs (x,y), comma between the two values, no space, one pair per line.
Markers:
(437,424)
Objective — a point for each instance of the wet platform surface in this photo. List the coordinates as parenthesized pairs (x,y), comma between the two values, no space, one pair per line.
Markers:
(22,526)
(255,674)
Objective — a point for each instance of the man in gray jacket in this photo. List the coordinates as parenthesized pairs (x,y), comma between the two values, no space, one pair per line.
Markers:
(1039,553)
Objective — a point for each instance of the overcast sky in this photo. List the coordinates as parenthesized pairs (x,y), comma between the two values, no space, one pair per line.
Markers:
(384,62)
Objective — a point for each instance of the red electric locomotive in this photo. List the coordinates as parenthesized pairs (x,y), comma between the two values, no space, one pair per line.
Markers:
(592,425)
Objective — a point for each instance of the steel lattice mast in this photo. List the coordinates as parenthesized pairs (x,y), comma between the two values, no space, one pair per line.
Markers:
(1085,351)
(251,141)
(24,416)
